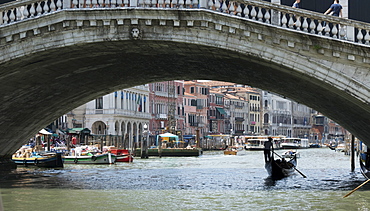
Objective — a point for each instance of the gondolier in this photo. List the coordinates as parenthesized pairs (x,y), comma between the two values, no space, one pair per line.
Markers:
(267,150)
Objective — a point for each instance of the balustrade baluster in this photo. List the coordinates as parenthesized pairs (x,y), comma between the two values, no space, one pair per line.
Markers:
(5,17)
(119,3)
(88,4)
(253,13)
(246,12)
(305,24)
(53,7)
(25,12)
(239,10)
(126,3)
(360,36)
(231,8)
(195,4)
(113,3)
(367,37)
(19,14)
(11,16)
(39,9)
(327,29)
(94,3)
(342,32)
(334,31)
(160,3)
(217,5)
(33,10)
(100,3)
(267,16)
(188,4)
(211,5)
(174,3)
(168,3)
(284,20)
(59,4)
(181,4)
(224,7)
(260,14)
(74,3)
(312,26)
(46,7)
(319,27)
(298,23)
(291,21)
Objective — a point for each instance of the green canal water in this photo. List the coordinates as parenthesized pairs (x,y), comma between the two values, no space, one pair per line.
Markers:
(208,182)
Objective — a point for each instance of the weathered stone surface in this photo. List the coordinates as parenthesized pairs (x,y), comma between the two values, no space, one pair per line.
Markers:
(46,74)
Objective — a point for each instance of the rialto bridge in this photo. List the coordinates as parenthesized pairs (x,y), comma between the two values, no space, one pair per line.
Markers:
(56,55)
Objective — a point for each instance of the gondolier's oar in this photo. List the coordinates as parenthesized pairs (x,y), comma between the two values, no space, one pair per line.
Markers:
(304,176)
(356,188)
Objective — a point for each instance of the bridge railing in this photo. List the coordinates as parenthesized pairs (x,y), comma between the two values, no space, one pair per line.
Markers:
(257,10)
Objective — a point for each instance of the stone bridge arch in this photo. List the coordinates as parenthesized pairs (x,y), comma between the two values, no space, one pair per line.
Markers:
(53,64)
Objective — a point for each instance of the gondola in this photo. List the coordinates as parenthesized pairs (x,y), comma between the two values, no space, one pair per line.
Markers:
(365,170)
(280,168)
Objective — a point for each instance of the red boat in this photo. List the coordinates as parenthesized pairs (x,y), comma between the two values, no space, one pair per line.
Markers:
(123,155)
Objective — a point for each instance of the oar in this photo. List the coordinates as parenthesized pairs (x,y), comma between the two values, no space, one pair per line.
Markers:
(304,176)
(356,188)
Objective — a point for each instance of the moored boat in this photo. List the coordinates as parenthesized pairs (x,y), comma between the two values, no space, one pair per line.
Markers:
(280,168)
(90,158)
(28,157)
(123,155)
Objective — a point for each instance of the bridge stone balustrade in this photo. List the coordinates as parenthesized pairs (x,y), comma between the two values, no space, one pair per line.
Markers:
(265,12)
(55,61)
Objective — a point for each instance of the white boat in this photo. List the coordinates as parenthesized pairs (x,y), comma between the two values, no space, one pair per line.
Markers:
(294,143)
(291,154)
(258,144)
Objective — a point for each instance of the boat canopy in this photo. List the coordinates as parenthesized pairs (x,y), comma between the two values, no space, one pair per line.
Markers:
(44,132)
(168,137)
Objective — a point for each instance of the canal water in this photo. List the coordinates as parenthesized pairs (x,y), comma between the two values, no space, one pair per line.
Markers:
(211,181)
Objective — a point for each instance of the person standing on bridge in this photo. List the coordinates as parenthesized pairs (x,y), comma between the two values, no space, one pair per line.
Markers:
(296,4)
(335,8)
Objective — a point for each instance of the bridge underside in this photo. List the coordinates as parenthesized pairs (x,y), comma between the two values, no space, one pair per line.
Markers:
(38,88)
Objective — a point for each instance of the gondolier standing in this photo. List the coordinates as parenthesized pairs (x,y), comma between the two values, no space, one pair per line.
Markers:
(267,151)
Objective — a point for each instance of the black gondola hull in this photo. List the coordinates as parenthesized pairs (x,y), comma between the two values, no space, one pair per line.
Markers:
(278,169)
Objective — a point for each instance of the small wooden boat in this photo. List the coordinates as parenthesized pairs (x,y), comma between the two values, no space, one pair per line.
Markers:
(123,155)
(235,150)
(290,154)
(280,168)
(47,160)
(90,158)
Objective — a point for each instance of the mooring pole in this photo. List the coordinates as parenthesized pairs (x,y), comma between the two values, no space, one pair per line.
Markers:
(353,153)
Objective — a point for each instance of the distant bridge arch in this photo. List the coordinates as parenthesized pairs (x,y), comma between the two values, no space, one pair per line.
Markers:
(53,63)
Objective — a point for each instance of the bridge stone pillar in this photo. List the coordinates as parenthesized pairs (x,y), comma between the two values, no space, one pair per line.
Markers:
(66,4)
(133,3)
(275,15)
(203,4)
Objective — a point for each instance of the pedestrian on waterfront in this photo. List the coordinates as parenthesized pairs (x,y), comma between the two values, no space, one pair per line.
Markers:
(268,148)
(335,9)
(296,4)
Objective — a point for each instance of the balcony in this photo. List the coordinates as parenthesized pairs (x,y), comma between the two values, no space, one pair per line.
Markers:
(161,116)
(239,119)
